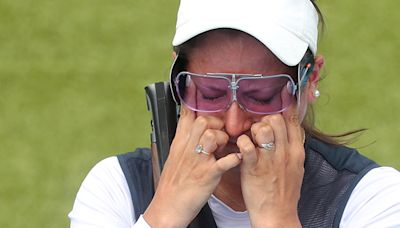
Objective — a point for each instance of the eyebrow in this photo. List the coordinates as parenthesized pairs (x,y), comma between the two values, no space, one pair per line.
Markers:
(208,86)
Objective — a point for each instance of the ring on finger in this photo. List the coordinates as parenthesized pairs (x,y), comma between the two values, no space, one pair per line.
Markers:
(200,149)
(268,146)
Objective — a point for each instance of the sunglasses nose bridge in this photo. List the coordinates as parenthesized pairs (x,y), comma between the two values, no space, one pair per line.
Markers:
(233,86)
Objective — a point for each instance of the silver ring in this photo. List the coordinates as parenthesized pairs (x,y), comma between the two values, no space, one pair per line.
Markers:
(268,146)
(200,149)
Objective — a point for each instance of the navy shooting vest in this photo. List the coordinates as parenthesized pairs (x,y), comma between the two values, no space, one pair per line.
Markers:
(331,174)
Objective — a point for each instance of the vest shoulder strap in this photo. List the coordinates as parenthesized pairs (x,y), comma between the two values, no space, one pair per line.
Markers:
(137,168)
(138,172)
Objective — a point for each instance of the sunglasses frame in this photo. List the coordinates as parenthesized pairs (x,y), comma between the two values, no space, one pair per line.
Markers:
(305,68)
(234,79)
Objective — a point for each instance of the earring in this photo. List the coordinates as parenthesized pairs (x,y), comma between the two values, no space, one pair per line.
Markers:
(317,93)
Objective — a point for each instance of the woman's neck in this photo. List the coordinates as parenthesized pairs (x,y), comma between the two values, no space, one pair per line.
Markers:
(229,190)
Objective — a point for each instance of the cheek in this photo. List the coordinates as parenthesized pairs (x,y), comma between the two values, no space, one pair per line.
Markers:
(219,115)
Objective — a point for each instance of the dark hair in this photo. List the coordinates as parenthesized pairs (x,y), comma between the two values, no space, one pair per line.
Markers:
(320,16)
(309,121)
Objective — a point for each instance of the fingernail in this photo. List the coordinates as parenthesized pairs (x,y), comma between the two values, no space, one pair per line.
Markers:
(239,155)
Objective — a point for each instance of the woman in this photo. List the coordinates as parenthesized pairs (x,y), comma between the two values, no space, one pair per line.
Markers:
(244,75)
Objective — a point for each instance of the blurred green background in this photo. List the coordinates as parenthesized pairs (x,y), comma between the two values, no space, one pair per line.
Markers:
(71,89)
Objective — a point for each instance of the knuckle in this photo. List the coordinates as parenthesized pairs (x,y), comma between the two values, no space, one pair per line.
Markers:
(276,118)
(212,147)
(201,122)
(294,119)
(265,130)
(254,127)
(218,122)
(247,148)
(223,137)
(209,135)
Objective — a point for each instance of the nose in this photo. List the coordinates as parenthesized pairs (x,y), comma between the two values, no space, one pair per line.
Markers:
(237,121)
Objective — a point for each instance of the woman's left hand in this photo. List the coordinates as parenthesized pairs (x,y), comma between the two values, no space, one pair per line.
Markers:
(271,178)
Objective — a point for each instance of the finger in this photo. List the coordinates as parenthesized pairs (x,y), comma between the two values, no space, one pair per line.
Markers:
(183,129)
(206,122)
(191,92)
(292,119)
(262,133)
(212,139)
(185,122)
(248,152)
(295,133)
(255,128)
(225,163)
(199,127)
(293,124)
(278,126)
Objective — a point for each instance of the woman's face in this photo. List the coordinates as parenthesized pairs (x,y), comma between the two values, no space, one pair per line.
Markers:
(219,52)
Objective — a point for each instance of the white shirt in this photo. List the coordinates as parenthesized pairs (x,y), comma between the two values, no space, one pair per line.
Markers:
(104,200)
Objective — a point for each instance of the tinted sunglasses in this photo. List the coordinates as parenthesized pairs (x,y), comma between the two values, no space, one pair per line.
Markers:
(256,93)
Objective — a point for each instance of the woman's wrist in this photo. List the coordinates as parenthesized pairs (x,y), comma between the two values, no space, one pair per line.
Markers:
(162,219)
(166,216)
(261,220)
(266,223)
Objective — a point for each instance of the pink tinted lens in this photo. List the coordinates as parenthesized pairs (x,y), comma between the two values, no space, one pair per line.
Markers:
(204,93)
(265,95)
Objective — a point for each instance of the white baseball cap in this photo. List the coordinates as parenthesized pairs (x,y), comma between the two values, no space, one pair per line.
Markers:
(286,27)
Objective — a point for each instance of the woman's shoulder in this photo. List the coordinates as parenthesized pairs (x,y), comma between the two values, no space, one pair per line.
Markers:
(375,200)
(378,182)
(107,165)
(103,197)
(104,172)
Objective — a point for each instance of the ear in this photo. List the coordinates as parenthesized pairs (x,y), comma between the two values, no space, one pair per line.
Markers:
(312,84)
(173,55)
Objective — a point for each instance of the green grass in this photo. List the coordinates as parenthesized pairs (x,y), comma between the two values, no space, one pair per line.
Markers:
(359,90)
(71,90)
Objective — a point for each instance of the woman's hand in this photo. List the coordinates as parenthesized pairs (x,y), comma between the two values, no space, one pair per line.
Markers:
(189,177)
(271,178)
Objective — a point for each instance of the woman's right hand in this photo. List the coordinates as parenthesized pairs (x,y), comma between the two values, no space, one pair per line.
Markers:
(189,178)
